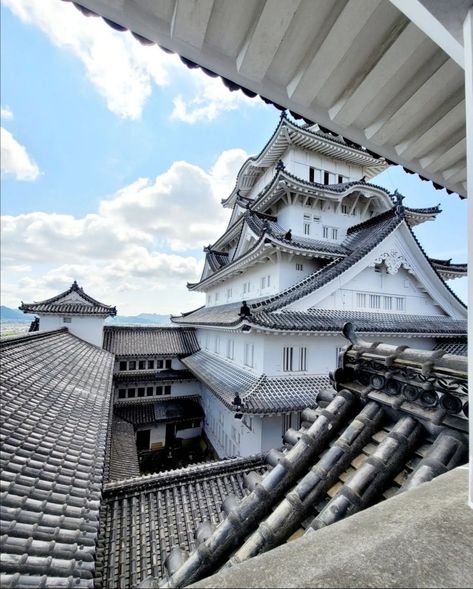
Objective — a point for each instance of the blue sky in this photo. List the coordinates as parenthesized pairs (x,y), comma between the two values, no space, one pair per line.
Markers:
(115,157)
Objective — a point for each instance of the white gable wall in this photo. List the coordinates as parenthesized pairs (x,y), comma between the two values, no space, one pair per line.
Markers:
(402,285)
(90,329)
(402,243)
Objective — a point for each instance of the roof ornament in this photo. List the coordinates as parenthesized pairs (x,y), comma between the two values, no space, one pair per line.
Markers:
(280,166)
(75,286)
(288,235)
(266,225)
(398,201)
(244,310)
(362,179)
(283,114)
(349,331)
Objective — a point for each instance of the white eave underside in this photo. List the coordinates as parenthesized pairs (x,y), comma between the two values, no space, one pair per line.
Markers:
(362,69)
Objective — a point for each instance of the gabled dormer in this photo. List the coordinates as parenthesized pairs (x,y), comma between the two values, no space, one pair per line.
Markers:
(83,315)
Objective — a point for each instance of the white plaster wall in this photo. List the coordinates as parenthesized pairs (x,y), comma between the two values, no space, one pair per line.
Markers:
(271,432)
(283,274)
(369,281)
(189,433)
(90,329)
(240,339)
(157,434)
(219,421)
(292,217)
(321,350)
(298,161)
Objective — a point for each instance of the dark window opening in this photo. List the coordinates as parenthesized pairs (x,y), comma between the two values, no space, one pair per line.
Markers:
(141,364)
(149,391)
(159,364)
(159,390)
(326,178)
(340,179)
(122,393)
(141,392)
(311,174)
(131,393)
(168,363)
(122,365)
(132,365)
(143,439)
(167,390)
(150,364)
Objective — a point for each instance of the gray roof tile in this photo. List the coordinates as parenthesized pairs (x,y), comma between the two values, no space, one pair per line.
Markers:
(149,341)
(162,510)
(56,392)
(86,305)
(260,394)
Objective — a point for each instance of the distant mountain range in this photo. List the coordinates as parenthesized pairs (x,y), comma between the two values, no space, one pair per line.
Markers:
(15,316)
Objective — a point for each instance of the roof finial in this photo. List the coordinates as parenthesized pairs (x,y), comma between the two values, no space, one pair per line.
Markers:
(399,206)
(244,310)
(280,166)
(75,286)
(288,235)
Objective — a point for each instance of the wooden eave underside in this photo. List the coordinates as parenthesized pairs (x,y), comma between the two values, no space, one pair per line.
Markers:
(322,61)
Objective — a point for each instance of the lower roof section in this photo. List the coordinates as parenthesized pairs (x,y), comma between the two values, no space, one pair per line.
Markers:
(149,341)
(55,391)
(258,394)
(171,410)
(142,518)
(327,321)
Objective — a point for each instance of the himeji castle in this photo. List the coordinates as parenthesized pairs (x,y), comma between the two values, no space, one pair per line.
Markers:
(311,243)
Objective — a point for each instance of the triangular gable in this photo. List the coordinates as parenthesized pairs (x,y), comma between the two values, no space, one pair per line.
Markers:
(247,240)
(407,273)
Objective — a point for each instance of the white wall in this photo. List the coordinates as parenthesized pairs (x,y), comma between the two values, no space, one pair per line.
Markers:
(401,284)
(157,435)
(207,336)
(230,436)
(89,329)
(189,433)
(271,432)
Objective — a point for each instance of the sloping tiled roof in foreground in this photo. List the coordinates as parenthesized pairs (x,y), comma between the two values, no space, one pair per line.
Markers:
(398,420)
(149,341)
(259,394)
(55,407)
(142,518)
(72,301)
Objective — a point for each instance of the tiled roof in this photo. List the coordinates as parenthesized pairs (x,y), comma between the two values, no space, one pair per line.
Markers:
(369,443)
(449,270)
(149,341)
(72,301)
(142,518)
(123,462)
(259,394)
(334,320)
(160,411)
(55,408)
(218,315)
(361,239)
(455,346)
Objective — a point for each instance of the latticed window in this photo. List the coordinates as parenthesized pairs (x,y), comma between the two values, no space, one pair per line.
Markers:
(375,301)
(400,303)
(361,300)
(249,355)
(294,359)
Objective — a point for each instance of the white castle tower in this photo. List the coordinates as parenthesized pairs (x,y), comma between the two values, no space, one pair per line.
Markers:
(310,245)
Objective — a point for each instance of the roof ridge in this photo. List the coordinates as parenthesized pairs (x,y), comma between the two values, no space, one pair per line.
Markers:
(170,476)
(4,341)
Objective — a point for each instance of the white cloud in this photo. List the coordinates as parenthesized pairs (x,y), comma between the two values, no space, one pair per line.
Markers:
(211,99)
(6,113)
(122,70)
(15,159)
(123,251)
